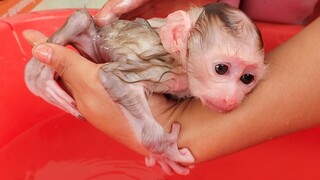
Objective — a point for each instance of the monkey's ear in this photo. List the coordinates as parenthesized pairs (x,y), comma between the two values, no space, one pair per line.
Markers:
(174,34)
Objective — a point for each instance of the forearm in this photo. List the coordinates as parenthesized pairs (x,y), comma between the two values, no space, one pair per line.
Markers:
(286,101)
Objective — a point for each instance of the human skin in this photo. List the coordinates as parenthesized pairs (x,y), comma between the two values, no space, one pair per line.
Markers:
(130,9)
(279,11)
(276,11)
(285,102)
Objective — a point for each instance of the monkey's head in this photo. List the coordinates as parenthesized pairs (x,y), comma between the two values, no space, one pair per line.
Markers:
(222,52)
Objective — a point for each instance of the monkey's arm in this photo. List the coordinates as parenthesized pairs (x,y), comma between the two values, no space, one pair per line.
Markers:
(41,79)
(133,103)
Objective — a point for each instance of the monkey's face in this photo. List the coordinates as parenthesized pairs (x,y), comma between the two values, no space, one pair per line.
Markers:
(223,67)
(221,82)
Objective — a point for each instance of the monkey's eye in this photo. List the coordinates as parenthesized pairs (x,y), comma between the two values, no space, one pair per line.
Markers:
(247,78)
(221,69)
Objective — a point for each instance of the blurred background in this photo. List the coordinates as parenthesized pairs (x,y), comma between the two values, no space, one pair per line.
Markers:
(49,4)
(13,7)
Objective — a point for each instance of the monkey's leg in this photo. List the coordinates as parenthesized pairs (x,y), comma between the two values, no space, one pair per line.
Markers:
(40,79)
(132,100)
(80,32)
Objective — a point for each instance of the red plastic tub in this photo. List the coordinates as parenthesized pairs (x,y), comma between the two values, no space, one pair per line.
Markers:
(39,141)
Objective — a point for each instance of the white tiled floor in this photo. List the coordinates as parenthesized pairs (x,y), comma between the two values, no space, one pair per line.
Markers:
(58,4)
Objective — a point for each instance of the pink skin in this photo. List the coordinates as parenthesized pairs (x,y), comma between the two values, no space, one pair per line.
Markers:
(226,91)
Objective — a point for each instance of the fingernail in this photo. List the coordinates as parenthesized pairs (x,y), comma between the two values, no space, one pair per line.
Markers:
(74,104)
(42,52)
(81,118)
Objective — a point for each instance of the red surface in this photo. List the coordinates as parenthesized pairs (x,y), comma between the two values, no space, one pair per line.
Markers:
(39,141)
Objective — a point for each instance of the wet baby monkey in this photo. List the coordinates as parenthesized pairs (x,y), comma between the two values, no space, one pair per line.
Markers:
(214,53)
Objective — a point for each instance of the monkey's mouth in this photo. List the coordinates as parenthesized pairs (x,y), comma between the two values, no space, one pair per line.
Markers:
(219,108)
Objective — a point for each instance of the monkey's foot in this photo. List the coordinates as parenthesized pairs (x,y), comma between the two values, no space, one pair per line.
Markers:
(40,81)
(172,159)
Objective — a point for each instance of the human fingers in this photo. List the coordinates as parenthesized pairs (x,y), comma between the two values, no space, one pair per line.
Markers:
(115,8)
(34,37)
(161,8)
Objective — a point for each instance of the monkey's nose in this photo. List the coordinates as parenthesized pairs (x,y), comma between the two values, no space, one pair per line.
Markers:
(228,104)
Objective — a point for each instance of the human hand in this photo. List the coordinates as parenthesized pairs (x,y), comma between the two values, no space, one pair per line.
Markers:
(141,8)
(114,9)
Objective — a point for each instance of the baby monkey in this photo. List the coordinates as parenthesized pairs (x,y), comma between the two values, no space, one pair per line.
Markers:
(214,53)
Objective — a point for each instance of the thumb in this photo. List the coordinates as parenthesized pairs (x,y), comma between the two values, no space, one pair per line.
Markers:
(66,62)
(34,37)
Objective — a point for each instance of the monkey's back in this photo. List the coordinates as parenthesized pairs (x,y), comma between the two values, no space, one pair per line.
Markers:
(136,50)
(129,40)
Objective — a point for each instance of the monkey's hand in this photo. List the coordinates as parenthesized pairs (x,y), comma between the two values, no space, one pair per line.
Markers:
(168,156)
(40,80)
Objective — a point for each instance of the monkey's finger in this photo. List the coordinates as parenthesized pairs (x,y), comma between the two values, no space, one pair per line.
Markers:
(165,167)
(60,101)
(34,37)
(66,62)
(186,156)
(178,168)
(185,152)
(150,161)
(182,156)
(175,129)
